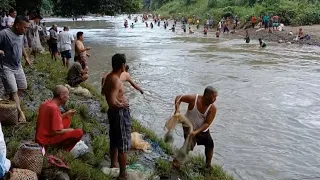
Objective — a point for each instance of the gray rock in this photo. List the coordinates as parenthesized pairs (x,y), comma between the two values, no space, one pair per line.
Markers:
(62,176)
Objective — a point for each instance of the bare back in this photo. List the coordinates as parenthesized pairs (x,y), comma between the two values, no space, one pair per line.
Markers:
(113,89)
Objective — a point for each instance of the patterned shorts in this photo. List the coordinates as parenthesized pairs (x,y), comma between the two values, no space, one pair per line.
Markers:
(120,129)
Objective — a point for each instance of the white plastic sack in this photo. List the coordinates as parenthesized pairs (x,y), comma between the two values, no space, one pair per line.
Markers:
(79,149)
(79,91)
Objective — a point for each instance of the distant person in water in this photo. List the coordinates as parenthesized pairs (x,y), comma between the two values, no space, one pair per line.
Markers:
(184,27)
(125,23)
(165,25)
(261,43)
(132,25)
(159,23)
(205,31)
(190,31)
(151,25)
(147,25)
(218,32)
(173,29)
(247,38)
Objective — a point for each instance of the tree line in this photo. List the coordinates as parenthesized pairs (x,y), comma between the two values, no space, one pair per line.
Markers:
(74,7)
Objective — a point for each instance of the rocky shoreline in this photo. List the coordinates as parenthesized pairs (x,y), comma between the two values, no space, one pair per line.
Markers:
(92,118)
(279,36)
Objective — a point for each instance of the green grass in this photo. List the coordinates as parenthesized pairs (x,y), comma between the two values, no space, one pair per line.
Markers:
(98,96)
(81,170)
(291,12)
(163,167)
(86,166)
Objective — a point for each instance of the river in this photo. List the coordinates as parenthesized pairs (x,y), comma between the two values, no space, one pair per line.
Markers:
(268,119)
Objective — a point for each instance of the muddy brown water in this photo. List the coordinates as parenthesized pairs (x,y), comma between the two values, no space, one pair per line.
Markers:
(268,120)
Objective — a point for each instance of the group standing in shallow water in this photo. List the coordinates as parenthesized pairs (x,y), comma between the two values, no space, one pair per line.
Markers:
(223,24)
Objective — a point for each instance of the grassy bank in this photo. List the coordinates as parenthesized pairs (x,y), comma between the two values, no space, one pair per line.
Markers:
(46,74)
(293,12)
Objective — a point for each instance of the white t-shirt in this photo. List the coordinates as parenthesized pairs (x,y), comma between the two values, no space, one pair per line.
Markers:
(65,40)
(10,21)
(3,20)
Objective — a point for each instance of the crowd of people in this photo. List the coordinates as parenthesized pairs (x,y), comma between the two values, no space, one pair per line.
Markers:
(53,125)
(224,25)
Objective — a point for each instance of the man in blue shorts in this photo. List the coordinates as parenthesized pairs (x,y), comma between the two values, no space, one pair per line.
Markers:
(118,115)
(11,51)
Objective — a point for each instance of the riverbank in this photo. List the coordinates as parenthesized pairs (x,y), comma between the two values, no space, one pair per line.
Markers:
(92,118)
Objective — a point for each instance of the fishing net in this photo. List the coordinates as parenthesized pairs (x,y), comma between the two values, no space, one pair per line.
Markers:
(182,153)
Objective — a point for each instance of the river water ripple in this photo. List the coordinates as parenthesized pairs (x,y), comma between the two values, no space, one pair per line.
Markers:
(268,120)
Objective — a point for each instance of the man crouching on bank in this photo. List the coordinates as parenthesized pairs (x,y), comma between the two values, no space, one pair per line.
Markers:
(201,112)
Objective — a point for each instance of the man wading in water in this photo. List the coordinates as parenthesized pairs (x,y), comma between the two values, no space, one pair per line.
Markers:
(201,112)
(118,114)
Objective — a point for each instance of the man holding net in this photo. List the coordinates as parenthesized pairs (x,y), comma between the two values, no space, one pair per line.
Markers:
(201,112)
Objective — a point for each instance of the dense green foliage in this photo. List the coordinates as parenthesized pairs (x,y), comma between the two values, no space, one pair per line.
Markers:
(75,7)
(295,12)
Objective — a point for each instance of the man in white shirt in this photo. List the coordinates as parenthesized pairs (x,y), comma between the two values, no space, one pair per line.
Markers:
(12,16)
(65,40)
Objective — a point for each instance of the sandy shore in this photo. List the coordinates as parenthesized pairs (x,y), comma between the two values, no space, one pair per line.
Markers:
(284,36)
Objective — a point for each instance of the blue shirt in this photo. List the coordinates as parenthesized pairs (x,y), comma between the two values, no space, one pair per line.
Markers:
(12,45)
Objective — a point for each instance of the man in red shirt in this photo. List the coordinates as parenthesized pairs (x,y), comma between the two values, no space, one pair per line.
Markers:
(53,128)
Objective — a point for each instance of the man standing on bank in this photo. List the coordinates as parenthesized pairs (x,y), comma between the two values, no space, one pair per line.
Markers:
(11,51)
(118,115)
(201,112)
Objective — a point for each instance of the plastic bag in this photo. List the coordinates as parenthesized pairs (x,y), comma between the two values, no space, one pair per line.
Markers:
(139,143)
(79,149)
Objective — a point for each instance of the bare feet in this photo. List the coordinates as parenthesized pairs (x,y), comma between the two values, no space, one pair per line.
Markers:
(22,118)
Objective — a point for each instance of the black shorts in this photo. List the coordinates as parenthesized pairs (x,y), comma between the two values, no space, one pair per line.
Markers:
(54,47)
(203,138)
(120,129)
(66,54)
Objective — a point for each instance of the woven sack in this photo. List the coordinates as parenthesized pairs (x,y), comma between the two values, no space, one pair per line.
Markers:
(22,174)
(9,113)
(29,156)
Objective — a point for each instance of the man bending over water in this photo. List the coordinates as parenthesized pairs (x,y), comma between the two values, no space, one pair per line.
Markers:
(118,114)
(201,112)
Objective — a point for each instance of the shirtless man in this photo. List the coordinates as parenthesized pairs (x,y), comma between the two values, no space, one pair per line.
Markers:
(80,51)
(125,76)
(118,115)
(201,112)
